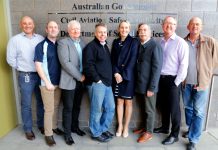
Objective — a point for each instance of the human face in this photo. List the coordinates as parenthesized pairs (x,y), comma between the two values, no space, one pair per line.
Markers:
(124,29)
(169,26)
(27,25)
(74,31)
(195,26)
(52,29)
(101,33)
(144,33)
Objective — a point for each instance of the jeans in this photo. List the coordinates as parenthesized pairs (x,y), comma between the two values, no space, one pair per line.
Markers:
(102,108)
(26,90)
(195,103)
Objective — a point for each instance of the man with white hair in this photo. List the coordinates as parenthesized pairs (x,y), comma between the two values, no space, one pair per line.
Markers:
(71,81)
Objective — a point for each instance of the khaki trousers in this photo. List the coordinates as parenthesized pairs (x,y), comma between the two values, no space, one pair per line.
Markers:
(51,100)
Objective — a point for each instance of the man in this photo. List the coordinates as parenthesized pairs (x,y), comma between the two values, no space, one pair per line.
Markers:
(48,68)
(71,82)
(149,65)
(173,72)
(203,59)
(98,72)
(20,54)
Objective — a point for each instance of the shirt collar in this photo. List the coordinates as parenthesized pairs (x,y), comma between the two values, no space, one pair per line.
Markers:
(24,34)
(173,37)
(75,40)
(145,41)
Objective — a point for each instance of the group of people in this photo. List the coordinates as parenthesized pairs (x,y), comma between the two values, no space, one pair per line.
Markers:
(159,71)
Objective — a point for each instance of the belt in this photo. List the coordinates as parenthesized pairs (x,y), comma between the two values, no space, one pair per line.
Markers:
(167,76)
(27,72)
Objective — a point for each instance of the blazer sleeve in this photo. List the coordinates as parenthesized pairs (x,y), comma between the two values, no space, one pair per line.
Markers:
(64,58)
(156,65)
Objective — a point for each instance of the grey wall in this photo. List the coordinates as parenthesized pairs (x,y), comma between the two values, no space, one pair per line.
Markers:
(136,11)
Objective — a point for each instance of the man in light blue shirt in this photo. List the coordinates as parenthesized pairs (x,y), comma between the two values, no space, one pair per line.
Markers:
(20,54)
(173,72)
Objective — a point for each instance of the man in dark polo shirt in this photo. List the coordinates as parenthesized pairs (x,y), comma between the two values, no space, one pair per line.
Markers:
(48,68)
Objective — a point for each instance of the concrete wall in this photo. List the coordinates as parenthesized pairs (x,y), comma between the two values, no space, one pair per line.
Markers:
(136,11)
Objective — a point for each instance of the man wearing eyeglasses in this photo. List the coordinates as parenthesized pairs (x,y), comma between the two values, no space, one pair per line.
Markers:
(173,72)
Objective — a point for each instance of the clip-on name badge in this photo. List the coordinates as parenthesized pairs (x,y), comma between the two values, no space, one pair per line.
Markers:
(27,78)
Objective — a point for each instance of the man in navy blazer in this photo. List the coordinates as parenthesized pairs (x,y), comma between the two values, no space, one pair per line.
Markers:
(71,81)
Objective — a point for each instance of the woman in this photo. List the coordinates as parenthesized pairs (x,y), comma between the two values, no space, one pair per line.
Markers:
(124,55)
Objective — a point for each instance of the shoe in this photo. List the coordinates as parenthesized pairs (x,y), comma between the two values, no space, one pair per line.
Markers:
(185,134)
(119,131)
(170,140)
(161,130)
(108,134)
(69,140)
(191,146)
(125,134)
(50,141)
(30,135)
(118,134)
(78,132)
(102,138)
(42,130)
(58,131)
(139,131)
(144,137)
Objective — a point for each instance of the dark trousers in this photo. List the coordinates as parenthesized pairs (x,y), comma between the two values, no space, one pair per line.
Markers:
(71,108)
(168,102)
(78,94)
(150,103)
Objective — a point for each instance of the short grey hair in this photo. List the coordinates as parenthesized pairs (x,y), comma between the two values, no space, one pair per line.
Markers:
(73,22)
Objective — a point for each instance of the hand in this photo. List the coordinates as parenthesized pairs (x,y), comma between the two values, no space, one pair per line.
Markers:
(183,84)
(83,78)
(149,93)
(118,78)
(50,86)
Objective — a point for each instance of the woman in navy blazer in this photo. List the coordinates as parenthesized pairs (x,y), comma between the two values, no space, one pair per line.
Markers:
(124,55)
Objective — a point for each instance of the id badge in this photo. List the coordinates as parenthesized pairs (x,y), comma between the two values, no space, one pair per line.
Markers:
(27,78)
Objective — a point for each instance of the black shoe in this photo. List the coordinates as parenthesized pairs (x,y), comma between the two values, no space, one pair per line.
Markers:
(161,130)
(108,134)
(30,135)
(185,134)
(101,138)
(58,131)
(191,146)
(50,140)
(42,130)
(170,140)
(69,140)
(78,132)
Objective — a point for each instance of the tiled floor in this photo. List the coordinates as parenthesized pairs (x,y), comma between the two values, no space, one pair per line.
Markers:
(16,140)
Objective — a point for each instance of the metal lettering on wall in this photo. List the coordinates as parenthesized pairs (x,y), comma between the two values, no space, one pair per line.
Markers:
(111,14)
